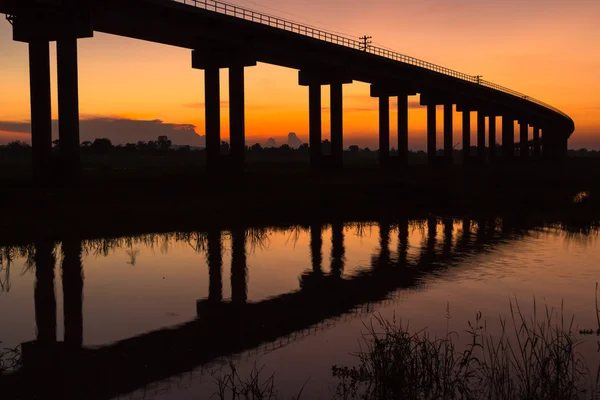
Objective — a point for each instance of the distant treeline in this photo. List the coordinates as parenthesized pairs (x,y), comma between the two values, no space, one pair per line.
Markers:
(164,146)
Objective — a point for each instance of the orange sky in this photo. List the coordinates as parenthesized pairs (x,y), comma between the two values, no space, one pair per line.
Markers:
(548,53)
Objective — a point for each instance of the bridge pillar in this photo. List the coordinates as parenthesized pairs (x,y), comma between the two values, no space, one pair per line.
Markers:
(384,130)
(212,109)
(403,129)
(492,137)
(68,108)
(215,263)
(508,137)
(239,270)
(72,278)
(237,116)
(524,140)
(481,136)
(466,136)
(537,150)
(448,133)
(337,249)
(314,104)
(431,134)
(337,124)
(45,299)
(41,107)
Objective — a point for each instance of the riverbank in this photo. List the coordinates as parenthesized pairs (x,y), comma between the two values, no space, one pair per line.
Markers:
(117,202)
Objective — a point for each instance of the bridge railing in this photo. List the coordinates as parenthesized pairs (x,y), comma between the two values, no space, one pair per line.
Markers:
(306,30)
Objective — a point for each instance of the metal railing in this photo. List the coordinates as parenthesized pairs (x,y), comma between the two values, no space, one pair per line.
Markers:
(306,30)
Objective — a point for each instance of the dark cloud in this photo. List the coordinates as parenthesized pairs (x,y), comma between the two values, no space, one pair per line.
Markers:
(119,130)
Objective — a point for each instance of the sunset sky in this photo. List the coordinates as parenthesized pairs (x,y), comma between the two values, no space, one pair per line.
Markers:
(546,49)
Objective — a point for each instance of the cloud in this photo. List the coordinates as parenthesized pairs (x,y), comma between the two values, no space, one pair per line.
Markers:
(118,130)
(293,140)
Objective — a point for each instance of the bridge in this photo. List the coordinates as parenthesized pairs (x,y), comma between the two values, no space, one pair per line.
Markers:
(221,35)
(69,370)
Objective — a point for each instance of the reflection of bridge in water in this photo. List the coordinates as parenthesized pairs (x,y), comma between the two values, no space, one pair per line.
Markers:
(69,370)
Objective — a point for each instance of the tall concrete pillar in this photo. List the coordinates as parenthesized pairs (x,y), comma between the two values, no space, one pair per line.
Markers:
(403,129)
(508,137)
(480,136)
(431,134)
(41,107)
(337,124)
(537,147)
(384,130)
(239,270)
(314,105)
(72,278)
(44,296)
(68,106)
(212,101)
(524,140)
(492,137)
(448,132)
(466,136)
(316,248)
(215,264)
(337,249)
(237,115)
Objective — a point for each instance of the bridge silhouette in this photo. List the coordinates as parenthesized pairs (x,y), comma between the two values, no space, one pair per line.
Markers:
(69,370)
(223,36)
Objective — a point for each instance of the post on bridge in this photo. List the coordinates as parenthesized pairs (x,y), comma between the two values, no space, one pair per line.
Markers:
(431,100)
(481,156)
(314,78)
(537,146)
(38,24)
(508,137)
(466,135)
(492,136)
(524,139)
(384,91)
(212,59)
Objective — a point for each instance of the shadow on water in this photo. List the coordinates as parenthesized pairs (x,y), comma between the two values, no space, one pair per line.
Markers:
(67,369)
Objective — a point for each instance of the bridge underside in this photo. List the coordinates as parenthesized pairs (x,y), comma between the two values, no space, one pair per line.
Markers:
(221,41)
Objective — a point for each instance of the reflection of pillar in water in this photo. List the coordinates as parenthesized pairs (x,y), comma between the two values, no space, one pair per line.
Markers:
(239,289)
(45,299)
(316,246)
(384,242)
(429,253)
(448,231)
(403,241)
(337,248)
(215,263)
(465,236)
(481,231)
(72,278)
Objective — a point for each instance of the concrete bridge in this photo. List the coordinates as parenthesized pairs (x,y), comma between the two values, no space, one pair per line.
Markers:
(68,370)
(221,35)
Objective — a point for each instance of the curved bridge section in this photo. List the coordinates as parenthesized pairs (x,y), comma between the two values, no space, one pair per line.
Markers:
(221,35)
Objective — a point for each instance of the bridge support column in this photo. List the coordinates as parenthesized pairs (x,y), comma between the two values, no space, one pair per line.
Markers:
(508,137)
(481,136)
(403,129)
(237,116)
(524,140)
(337,124)
(431,134)
(448,133)
(537,148)
(212,101)
(314,103)
(466,136)
(68,108)
(41,107)
(239,271)
(72,278)
(384,130)
(215,264)
(492,137)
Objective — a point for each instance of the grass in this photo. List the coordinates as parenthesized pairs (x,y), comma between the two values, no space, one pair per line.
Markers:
(10,359)
(534,356)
